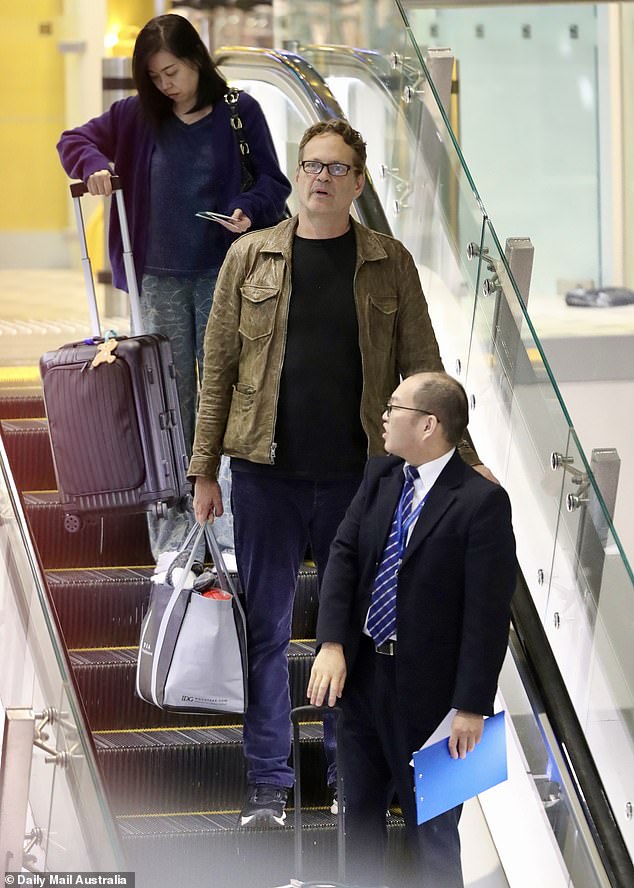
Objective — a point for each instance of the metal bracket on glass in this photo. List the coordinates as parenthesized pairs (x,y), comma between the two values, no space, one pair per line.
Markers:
(46,718)
(386,172)
(32,839)
(574,501)
(559,461)
(404,64)
(399,205)
(491,286)
(409,92)
(474,252)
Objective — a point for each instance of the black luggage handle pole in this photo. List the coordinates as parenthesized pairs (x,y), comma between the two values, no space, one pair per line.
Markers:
(77,190)
(312,712)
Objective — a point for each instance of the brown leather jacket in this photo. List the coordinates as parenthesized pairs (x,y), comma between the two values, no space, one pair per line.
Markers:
(246,338)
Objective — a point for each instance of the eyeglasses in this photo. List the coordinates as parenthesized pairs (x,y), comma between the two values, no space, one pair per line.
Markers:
(314,167)
(389,407)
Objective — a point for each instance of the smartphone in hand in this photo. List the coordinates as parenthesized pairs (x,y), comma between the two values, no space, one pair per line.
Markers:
(217,217)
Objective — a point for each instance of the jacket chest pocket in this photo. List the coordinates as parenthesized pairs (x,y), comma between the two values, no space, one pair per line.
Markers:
(257,311)
(382,321)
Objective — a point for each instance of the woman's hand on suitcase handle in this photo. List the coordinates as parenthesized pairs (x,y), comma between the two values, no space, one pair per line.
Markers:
(328,674)
(100,183)
(207,499)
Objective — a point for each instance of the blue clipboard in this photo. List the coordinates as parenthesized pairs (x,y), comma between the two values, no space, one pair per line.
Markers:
(442,782)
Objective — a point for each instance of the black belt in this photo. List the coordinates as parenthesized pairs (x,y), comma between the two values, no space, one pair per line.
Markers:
(388,648)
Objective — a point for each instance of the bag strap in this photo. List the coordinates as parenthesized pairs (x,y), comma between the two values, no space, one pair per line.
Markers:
(226,583)
(192,540)
(246,164)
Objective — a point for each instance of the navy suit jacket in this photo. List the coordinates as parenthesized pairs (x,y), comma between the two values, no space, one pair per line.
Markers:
(455,587)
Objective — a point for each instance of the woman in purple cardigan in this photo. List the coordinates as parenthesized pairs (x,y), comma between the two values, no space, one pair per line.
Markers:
(176,154)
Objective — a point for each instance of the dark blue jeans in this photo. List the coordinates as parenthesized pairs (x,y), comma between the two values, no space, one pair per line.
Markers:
(274,522)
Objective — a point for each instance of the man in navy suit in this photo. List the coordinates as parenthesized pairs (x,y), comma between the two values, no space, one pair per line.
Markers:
(444,605)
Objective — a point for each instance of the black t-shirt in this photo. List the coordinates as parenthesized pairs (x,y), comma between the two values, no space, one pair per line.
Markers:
(318,432)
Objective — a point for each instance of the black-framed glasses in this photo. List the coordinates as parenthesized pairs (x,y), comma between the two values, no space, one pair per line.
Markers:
(314,167)
(389,407)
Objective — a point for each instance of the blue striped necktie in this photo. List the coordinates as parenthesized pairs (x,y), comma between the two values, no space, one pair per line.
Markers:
(382,612)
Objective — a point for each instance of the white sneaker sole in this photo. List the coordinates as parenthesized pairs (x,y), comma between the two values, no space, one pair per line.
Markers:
(262,818)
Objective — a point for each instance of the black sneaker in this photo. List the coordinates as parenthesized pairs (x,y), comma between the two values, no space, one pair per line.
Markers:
(265,806)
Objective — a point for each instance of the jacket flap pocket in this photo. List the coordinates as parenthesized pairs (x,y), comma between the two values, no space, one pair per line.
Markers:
(384,303)
(257,294)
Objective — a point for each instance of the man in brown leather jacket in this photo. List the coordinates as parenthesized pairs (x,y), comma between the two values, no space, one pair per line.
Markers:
(314,322)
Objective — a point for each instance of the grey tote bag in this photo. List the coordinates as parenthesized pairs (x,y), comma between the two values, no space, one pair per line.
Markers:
(192,651)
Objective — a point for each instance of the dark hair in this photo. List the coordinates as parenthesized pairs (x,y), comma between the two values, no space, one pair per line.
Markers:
(174,34)
(342,128)
(442,395)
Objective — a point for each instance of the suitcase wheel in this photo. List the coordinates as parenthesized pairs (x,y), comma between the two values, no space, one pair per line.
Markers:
(72,523)
(160,510)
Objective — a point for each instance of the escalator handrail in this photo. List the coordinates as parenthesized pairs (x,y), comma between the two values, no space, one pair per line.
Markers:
(570,736)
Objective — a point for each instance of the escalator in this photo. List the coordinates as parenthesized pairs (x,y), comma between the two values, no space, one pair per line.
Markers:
(175,783)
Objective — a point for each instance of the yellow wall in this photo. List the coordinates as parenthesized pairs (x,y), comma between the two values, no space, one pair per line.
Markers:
(31,116)
(32,111)
(130,16)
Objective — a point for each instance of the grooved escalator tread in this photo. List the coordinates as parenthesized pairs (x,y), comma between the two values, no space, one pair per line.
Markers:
(106,681)
(192,769)
(29,451)
(100,540)
(21,401)
(104,606)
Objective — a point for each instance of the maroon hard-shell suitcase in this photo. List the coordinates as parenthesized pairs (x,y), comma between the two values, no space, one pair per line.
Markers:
(112,407)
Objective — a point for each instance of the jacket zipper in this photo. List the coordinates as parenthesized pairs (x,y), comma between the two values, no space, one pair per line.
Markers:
(356,307)
(273,446)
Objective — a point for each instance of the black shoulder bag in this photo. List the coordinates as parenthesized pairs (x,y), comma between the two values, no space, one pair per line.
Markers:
(247,173)
(247,177)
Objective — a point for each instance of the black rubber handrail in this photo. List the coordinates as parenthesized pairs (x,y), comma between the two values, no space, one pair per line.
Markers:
(560,711)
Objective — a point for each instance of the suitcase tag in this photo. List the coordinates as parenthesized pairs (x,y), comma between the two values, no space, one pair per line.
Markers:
(105,353)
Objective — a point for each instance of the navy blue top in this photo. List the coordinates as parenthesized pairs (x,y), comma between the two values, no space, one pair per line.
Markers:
(181,184)
(124,135)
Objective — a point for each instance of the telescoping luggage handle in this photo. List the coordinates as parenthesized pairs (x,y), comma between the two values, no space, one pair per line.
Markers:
(77,190)
(312,713)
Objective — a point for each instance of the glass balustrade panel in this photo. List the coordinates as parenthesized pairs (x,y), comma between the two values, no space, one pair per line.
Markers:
(590,625)
(65,788)
(543,764)
(517,417)
(539,70)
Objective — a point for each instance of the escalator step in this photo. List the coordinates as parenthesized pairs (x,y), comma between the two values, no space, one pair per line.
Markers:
(21,401)
(100,607)
(105,607)
(106,682)
(100,541)
(209,849)
(29,451)
(192,769)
